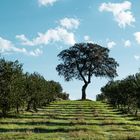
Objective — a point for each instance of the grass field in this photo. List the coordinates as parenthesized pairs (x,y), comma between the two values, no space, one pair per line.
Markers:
(71,120)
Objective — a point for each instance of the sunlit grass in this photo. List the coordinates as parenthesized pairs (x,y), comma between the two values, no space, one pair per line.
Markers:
(71,120)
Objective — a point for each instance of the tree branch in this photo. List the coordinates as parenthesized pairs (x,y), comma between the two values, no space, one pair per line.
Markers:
(80,71)
(89,74)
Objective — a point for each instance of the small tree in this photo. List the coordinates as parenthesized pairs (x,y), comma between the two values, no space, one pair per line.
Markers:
(83,60)
(8,72)
(34,90)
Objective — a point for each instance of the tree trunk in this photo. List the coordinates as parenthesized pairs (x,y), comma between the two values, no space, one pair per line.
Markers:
(17,108)
(29,105)
(136,112)
(4,112)
(34,106)
(84,91)
(128,109)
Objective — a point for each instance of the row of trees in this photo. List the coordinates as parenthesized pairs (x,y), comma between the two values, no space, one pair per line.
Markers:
(19,90)
(123,94)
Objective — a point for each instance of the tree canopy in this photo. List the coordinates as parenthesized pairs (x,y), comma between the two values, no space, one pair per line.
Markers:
(123,94)
(83,60)
(19,90)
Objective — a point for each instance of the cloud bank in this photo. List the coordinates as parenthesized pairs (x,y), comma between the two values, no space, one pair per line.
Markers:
(121,12)
(62,33)
(6,47)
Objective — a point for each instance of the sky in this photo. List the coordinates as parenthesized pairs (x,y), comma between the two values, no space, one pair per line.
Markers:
(36,31)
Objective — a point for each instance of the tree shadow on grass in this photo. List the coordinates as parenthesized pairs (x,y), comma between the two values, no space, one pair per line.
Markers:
(42,130)
(71,123)
(54,130)
(135,118)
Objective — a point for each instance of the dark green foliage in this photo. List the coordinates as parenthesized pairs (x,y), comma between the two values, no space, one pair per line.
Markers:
(83,60)
(10,73)
(123,94)
(19,90)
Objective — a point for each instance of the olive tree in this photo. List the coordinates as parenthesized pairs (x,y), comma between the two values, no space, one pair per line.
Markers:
(8,73)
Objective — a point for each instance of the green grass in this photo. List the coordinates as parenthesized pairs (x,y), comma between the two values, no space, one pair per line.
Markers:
(71,120)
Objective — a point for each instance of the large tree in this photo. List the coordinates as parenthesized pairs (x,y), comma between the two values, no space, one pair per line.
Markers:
(83,60)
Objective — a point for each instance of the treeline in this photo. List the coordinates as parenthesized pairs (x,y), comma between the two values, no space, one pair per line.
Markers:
(24,91)
(123,94)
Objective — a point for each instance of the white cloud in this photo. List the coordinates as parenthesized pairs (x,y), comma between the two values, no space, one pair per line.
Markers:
(137,37)
(121,12)
(111,44)
(137,57)
(88,39)
(53,35)
(69,23)
(62,33)
(46,2)
(36,52)
(127,43)
(24,40)
(7,46)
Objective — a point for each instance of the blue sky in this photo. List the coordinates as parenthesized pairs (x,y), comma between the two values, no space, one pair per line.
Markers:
(35,31)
